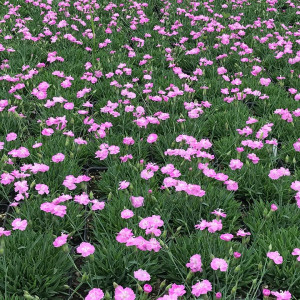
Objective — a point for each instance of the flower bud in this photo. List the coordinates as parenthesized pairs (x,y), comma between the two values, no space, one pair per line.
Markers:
(115,285)
(163,284)
(237,269)
(85,277)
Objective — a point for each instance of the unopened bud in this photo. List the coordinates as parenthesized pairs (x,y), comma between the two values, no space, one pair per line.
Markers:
(234,289)
(237,269)
(85,277)
(163,284)
(32,184)
(115,285)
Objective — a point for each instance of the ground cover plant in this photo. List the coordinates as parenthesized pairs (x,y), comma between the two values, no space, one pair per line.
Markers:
(149,149)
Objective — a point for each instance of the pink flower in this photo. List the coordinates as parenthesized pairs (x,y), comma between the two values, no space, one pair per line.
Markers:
(201,288)
(242,233)
(95,294)
(42,189)
(265,81)
(137,201)
(124,293)
(127,214)
(19,224)
(82,199)
(274,207)
(85,249)
(237,254)
(219,263)
(276,257)
(218,295)
(124,235)
(47,131)
(266,292)
(123,185)
(231,185)
(283,295)
(59,157)
(235,164)
(128,141)
(4,232)
(195,263)
(296,186)
(60,240)
(152,138)
(147,288)
(142,275)
(177,290)
(37,145)
(97,205)
(226,237)
(11,136)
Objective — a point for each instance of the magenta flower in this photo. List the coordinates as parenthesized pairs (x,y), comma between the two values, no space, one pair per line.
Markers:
(147,288)
(19,224)
(142,275)
(85,249)
(124,293)
(219,263)
(95,294)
